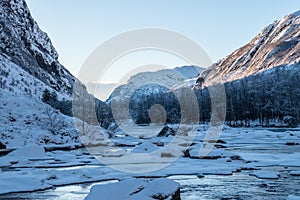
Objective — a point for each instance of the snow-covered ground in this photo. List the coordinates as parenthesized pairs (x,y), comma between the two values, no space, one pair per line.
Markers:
(259,155)
(27,121)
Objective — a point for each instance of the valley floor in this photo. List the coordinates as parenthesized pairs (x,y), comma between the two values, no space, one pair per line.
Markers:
(246,163)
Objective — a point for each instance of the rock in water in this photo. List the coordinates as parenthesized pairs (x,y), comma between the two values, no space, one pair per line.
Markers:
(166,131)
(2,146)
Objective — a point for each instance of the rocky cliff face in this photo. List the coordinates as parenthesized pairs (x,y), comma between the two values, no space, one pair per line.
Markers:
(276,45)
(29,62)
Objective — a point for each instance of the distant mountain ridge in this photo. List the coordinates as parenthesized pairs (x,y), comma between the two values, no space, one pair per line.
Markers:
(166,77)
(146,89)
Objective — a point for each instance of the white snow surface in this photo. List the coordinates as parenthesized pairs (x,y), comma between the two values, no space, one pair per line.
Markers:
(295,173)
(266,175)
(25,120)
(31,151)
(293,197)
(135,189)
(145,147)
(16,80)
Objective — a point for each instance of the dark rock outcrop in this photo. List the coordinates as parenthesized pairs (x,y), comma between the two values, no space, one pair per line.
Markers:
(2,146)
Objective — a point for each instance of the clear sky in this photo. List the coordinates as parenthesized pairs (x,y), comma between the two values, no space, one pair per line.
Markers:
(77,27)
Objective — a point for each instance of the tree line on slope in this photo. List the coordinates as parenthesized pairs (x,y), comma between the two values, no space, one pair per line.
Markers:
(270,98)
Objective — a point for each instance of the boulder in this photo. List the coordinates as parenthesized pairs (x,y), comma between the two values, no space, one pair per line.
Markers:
(166,131)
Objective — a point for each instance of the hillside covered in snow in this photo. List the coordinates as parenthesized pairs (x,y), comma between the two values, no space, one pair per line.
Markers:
(36,91)
(261,78)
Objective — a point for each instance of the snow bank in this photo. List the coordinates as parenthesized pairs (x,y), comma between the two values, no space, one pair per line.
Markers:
(293,197)
(28,151)
(24,155)
(136,189)
(295,173)
(21,182)
(145,148)
(266,175)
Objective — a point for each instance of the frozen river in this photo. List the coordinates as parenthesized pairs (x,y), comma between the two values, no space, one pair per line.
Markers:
(268,168)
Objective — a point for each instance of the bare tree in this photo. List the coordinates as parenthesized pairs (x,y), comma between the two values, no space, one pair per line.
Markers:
(54,120)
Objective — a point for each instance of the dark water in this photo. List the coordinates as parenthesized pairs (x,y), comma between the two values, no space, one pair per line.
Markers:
(238,186)
(70,192)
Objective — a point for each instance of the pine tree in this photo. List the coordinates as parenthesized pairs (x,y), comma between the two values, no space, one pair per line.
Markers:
(46,96)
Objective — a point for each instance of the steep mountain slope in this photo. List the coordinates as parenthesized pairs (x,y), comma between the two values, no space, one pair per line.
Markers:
(26,53)
(261,78)
(276,45)
(269,98)
(28,66)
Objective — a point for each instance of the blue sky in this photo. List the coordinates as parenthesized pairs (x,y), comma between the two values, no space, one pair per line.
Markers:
(77,27)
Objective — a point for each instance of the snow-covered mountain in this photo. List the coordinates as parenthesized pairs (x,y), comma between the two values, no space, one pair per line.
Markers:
(276,45)
(155,82)
(261,78)
(29,62)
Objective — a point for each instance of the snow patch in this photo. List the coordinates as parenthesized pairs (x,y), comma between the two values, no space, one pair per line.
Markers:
(28,151)
(293,197)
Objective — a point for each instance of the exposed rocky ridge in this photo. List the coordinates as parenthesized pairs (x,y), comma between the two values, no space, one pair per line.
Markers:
(276,45)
